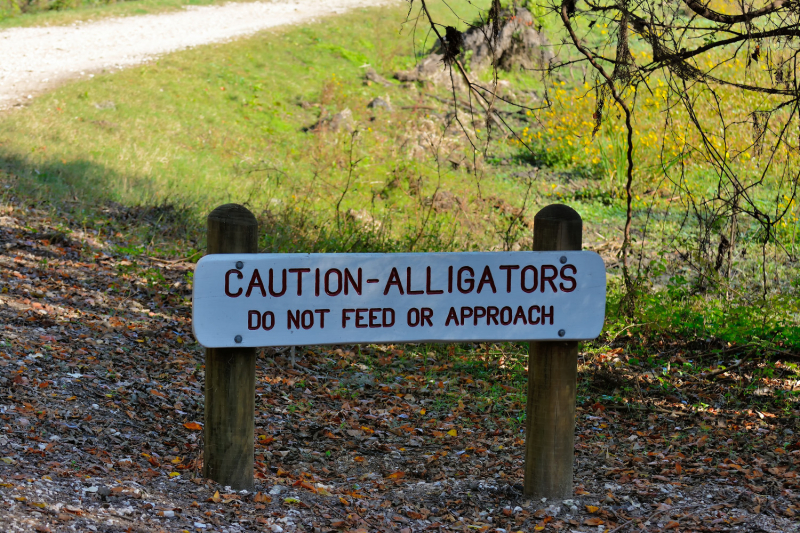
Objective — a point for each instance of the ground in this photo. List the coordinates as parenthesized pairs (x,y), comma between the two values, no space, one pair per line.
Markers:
(101,406)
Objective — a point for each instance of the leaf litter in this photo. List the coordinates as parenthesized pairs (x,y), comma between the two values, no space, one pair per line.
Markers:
(101,409)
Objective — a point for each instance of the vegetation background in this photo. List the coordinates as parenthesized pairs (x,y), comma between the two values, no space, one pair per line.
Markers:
(312,129)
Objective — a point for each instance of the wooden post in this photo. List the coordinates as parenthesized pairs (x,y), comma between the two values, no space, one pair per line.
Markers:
(230,372)
(552,378)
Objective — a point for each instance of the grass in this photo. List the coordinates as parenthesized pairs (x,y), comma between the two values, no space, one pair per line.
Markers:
(231,123)
(236,122)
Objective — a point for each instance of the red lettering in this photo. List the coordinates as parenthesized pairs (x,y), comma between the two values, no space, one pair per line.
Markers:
(394,279)
(480,312)
(250,316)
(546,278)
(491,315)
(255,281)
(486,277)
(428,289)
(470,281)
(271,320)
(412,318)
(345,318)
(531,321)
(452,316)
(449,279)
(508,269)
(503,320)
(359,318)
(321,313)
(408,283)
(466,312)
(271,290)
(299,272)
(520,315)
(228,285)
(328,290)
(549,315)
(388,311)
(292,319)
(373,317)
(529,268)
(568,278)
(316,282)
(307,324)
(426,313)
(348,280)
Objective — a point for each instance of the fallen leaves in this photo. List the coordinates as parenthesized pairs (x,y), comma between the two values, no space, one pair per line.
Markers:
(424,440)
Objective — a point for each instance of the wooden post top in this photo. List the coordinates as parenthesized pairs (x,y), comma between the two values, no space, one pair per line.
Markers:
(232,229)
(557,212)
(557,227)
(233,214)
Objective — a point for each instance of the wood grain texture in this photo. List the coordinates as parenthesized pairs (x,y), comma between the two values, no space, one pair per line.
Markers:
(552,378)
(230,372)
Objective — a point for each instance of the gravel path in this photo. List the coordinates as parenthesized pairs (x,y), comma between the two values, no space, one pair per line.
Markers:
(35,59)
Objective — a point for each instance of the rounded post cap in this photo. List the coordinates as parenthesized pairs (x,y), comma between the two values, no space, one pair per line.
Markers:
(557,212)
(233,214)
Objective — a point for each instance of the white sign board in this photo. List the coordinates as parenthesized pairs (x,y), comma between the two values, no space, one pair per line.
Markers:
(306,299)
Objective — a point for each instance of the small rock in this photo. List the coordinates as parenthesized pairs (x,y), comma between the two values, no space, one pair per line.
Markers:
(103,492)
(343,120)
(364,218)
(380,103)
(277,489)
(276,528)
(373,76)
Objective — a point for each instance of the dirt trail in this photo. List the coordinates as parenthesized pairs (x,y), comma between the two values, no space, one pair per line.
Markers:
(35,59)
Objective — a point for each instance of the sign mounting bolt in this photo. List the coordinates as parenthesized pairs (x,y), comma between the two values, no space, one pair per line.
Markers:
(561,333)
(238,338)
(240,265)
(563,259)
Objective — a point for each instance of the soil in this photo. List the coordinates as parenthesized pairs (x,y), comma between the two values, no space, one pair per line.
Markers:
(101,410)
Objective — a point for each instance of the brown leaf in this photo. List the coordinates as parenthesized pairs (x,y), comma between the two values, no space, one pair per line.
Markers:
(593,521)
(672,524)
(262,498)
(194,426)
(396,475)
